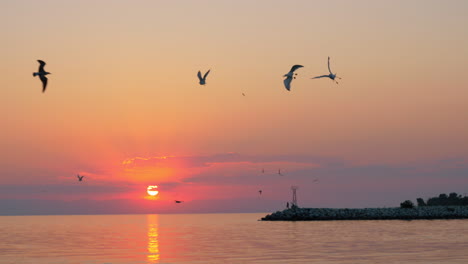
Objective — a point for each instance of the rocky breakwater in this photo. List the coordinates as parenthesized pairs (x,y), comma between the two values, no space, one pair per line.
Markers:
(317,214)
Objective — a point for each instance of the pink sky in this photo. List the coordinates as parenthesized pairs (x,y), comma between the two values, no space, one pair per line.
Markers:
(124,108)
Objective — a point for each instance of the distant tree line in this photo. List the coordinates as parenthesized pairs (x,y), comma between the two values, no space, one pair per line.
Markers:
(442,200)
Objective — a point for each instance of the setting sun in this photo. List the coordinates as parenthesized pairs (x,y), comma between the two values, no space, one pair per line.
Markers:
(151,190)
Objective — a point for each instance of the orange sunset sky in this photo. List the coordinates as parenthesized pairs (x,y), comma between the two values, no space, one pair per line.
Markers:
(124,108)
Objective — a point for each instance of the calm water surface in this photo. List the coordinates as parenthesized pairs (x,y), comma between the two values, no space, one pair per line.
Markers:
(227,238)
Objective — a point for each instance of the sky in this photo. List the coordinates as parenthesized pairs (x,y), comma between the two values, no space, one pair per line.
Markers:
(123,106)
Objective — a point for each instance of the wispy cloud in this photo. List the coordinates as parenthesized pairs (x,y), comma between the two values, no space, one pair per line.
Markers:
(323,181)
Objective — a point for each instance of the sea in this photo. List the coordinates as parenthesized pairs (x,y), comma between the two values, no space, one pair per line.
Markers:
(227,238)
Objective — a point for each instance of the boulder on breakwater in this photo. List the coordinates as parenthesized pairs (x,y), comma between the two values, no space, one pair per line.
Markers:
(317,214)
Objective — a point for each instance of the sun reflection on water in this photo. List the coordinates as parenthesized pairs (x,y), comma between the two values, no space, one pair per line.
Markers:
(153,243)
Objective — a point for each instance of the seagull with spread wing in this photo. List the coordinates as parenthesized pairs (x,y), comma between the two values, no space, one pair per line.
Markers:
(42,74)
(203,79)
(331,75)
(290,76)
(80,177)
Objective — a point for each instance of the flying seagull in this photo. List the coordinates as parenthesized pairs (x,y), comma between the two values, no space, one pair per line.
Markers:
(80,177)
(176,201)
(260,192)
(42,74)
(331,75)
(279,172)
(290,75)
(203,79)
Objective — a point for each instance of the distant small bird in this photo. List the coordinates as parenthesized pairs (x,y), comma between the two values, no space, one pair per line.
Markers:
(331,75)
(290,75)
(80,177)
(279,172)
(42,74)
(176,201)
(315,180)
(203,79)
(260,192)
(243,94)
(263,170)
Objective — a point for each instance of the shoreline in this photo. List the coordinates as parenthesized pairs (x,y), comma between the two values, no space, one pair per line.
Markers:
(393,213)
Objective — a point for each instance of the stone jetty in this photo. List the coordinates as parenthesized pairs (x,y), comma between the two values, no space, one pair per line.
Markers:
(318,214)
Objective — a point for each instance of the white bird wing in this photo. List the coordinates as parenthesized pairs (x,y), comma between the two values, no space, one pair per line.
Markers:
(199,75)
(329,65)
(206,74)
(44,82)
(287,83)
(295,67)
(41,65)
(321,76)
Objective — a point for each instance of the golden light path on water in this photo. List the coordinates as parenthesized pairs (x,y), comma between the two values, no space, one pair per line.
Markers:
(153,242)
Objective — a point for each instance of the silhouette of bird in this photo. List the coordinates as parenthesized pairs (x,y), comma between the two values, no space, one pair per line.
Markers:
(203,79)
(290,75)
(80,177)
(176,201)
(260,192)
(42,74)
(263,170)
(243,94)
(315,180)
(331,75)
(279,172)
